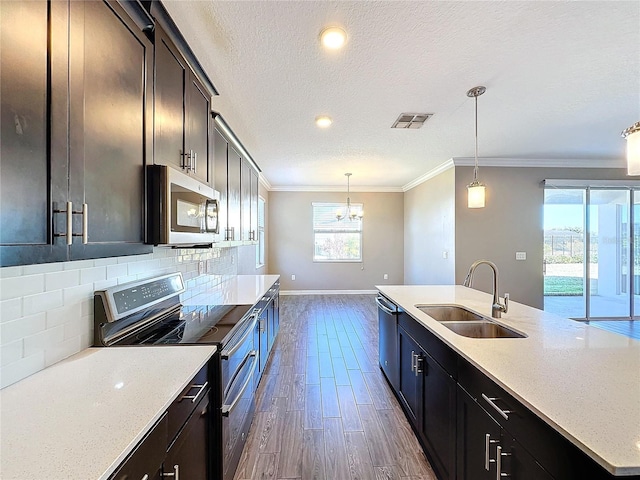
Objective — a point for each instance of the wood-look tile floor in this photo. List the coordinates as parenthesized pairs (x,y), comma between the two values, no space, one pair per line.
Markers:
(324,410)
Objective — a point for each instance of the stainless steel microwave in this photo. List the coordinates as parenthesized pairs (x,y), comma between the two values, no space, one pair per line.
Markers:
(180,209)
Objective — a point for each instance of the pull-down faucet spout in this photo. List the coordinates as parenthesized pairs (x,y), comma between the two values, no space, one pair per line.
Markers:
(497,308)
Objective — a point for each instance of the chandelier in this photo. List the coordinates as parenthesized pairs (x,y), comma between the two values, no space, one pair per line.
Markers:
(351,214)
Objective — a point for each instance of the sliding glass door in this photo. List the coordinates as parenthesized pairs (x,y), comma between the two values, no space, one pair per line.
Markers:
(589,252)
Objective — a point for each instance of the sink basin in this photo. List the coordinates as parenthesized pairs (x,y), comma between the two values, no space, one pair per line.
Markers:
(451,313)
(482,330)
(468,323)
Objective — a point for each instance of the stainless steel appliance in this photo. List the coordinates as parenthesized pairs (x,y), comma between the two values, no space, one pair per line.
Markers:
(149,312)
(180,209)
(387,338)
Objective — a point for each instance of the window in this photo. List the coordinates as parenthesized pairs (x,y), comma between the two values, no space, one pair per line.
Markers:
(333,240)
(260,249)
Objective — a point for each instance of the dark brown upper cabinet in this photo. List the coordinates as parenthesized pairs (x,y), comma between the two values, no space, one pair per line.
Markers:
(183,123)
(76,115)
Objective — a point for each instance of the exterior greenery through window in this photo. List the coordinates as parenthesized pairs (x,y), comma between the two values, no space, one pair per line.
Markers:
(261,245)
(333,240)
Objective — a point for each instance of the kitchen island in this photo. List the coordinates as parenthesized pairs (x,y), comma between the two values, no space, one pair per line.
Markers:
(582,381)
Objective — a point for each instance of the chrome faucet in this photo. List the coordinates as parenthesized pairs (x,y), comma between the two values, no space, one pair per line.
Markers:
(496,308)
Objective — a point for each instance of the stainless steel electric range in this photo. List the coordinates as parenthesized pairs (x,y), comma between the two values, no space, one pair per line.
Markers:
(149,312)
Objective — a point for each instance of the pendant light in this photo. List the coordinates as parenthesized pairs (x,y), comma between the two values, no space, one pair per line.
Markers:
(476,190)
(632,134)
(350,214)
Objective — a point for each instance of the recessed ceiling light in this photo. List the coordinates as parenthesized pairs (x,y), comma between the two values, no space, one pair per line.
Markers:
(323,121)
(333,37)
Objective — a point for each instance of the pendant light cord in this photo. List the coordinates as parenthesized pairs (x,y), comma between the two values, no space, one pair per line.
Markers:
(475,169)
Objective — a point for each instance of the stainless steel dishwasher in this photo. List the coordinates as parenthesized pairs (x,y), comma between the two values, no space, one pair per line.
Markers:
(388,338)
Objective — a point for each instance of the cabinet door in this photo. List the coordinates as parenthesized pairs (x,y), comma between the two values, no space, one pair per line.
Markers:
(439,417)
(171,73)
(26,234)
(197,137)
(254,206)
(410,381)
(188,456)
(110,71)
(234,163)
(475,451)
(220,147)
(519,464)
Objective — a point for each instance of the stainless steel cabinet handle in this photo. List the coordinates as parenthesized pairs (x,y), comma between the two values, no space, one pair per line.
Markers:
(262,326)
(184,156)
(175,474)
(146,477)
(69,223)
(487,444)
(490,401)
(419,364)
(193,397)
(195,162)
(85,223)
(413,357)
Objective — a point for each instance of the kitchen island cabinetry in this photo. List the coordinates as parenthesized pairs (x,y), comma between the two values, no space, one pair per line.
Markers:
(183,125)
(532,425)
(76,112)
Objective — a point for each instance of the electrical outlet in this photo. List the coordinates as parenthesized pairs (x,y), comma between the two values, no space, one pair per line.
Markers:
(521,255)
(200,268)
(293,277)
(385,276)
(445,254)
(233,259)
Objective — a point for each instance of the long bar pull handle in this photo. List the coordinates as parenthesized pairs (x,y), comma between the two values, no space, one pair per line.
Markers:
(487,461)
(498,462)
(195,162)
(69,223)
(193,397)
(175,474)
(491,400)
(85,223)
(146,477)
(413,357)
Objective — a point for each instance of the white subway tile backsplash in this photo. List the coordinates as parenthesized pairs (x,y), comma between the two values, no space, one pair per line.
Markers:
(62,315)
(10,309)
(61,279)
(95,274)
(60,351)
(46,311)
(115,271)
(14,287)
(11,352)
(41,302)
(41,268)
(24,367)
(22,327)
(42,340)
(9,272)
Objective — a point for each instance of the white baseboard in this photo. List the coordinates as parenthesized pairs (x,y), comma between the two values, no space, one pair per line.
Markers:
(328,292)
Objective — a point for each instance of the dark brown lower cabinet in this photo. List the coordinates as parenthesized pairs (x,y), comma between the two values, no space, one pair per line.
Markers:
(188,455)
(428,394)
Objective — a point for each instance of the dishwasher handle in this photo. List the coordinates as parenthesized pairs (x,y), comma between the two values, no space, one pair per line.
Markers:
(382,303)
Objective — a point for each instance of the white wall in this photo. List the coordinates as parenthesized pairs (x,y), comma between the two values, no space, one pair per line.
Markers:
(291,242)
(429,231)
(46,310)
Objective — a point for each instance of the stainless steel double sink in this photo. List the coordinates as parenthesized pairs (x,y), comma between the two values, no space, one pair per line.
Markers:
(468,323)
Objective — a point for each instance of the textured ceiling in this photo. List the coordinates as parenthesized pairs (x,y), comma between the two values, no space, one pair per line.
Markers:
(562,78)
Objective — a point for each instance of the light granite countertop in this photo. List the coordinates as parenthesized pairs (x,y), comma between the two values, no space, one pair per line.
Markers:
(79,418)
(239,290)
(583,381)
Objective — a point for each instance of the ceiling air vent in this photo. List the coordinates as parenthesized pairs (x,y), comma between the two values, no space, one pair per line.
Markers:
(411,120)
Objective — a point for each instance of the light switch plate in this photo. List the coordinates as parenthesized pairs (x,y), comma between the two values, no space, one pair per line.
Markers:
(521,255)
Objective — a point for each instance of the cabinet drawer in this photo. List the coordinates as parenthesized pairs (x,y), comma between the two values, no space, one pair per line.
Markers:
(440,352)
(181,408)
(148,456)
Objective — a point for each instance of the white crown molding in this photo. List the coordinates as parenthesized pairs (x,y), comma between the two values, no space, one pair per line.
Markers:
(541,162)
(334,188)
(265,183)
(328,292)
(443,167)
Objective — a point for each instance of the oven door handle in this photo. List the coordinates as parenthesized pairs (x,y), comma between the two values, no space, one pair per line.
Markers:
(228,408)
(227,352)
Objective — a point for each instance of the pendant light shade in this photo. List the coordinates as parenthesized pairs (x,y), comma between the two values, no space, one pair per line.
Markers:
(632,134)
(476,190)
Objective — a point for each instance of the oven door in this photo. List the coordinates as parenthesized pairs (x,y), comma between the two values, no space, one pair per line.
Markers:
(238,408)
